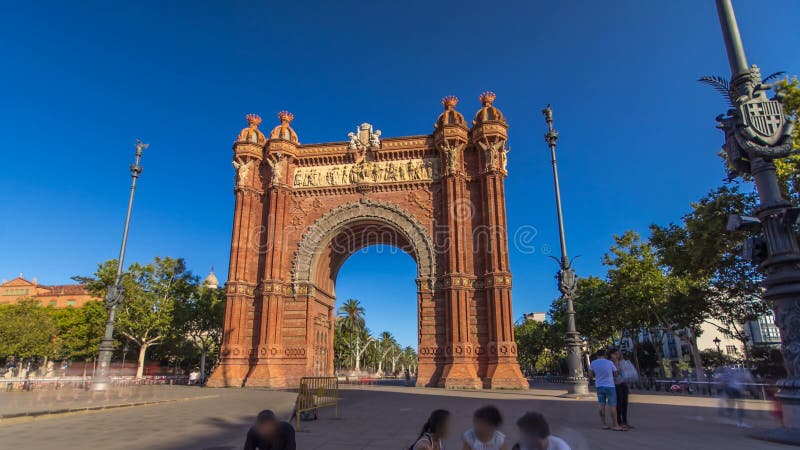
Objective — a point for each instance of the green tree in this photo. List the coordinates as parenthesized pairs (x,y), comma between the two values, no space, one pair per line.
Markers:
(410,360)
(788,169)
(713,359)
(200,319)
(147,314)
(385,344)
(27,331)
(531,339)
(80,330)
(716,281)
(351,321)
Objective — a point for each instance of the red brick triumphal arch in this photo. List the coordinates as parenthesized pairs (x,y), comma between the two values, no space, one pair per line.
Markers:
(303,209)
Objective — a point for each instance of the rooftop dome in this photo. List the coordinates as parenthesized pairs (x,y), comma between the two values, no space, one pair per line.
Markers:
(211,280)
(450,116)
(252,134)
(284,130)
(488,113)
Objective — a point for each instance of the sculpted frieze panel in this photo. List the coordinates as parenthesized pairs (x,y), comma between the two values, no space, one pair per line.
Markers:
(367,172)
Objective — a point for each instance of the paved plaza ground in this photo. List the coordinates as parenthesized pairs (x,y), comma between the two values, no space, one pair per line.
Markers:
(370,418)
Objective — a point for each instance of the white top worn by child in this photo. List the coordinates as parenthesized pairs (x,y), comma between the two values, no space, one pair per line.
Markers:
(471,441)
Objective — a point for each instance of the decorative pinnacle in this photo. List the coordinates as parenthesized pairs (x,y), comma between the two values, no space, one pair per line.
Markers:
(285,116)
(449,102)
(487,98)
(552,135)
(140,146)
(253,119)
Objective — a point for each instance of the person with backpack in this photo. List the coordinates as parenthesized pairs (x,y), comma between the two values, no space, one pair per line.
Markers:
(436,428)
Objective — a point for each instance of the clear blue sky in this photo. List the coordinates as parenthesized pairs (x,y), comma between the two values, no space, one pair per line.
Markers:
(81,80)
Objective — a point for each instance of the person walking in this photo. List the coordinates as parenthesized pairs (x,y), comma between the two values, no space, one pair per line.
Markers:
(603,372)
(485,432)
(621,377)
(269,433)
(535,432)
(436,428)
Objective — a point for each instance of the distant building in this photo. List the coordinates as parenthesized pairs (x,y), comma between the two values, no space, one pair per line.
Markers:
(57,296)
(535,316)
(211,281)
(761,332)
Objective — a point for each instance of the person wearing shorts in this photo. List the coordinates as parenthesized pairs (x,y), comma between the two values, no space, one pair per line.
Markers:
(603,372)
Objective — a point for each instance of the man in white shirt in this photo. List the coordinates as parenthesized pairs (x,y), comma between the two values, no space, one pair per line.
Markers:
(535,432)
(603,372)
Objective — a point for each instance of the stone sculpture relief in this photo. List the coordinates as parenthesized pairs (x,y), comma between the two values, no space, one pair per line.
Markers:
(276,164)
(452,156)
(366,172)
(242,171)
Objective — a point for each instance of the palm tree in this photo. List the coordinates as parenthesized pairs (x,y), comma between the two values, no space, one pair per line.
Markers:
(352,319)
(410,359)
(386,344)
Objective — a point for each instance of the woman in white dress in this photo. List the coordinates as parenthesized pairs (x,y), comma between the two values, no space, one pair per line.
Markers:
(485,432)
(435,429)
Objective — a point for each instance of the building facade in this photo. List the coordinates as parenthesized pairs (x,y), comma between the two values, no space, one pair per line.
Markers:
(302,210)
(57,296)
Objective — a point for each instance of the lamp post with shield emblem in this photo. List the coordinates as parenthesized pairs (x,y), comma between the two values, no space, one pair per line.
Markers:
(577,384)
(756,133)
(102,379)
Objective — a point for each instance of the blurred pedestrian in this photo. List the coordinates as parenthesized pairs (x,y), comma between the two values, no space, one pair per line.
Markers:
(733,381)
(269,433)
(535,434)
(485,433)
(436,428)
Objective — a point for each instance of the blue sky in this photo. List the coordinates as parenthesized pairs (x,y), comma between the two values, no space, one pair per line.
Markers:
(81,80)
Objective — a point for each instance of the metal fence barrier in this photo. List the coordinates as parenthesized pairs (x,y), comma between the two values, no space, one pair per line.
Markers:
(315,393)
(40,383)
(758,391)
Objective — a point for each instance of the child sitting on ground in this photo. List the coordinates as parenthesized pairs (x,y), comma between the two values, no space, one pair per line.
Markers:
(485,433)
(535,432)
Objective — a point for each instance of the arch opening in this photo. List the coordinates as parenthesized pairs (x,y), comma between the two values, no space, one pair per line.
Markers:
(334,238)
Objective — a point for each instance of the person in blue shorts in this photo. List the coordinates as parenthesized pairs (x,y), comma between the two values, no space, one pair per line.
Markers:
(603,372)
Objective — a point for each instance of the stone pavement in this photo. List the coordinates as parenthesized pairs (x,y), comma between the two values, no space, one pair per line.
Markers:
(378,418)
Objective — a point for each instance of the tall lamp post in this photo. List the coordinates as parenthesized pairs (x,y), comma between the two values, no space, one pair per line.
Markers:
(577,384)
(102,381)
(757,132)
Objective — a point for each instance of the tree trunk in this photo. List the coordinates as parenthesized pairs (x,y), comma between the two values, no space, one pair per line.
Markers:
(698,361)
(140,366)
(203,367)
(636,355)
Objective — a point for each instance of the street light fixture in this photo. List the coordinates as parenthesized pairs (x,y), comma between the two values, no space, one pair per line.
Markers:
(757,132)
(577,384)
(102,380)
(716,342)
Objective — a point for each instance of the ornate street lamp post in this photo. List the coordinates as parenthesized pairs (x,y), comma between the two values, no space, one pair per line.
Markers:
(577,384)
(757,132)
(102,381)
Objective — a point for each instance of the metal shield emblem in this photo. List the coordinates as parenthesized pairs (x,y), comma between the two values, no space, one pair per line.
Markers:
(765,119)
